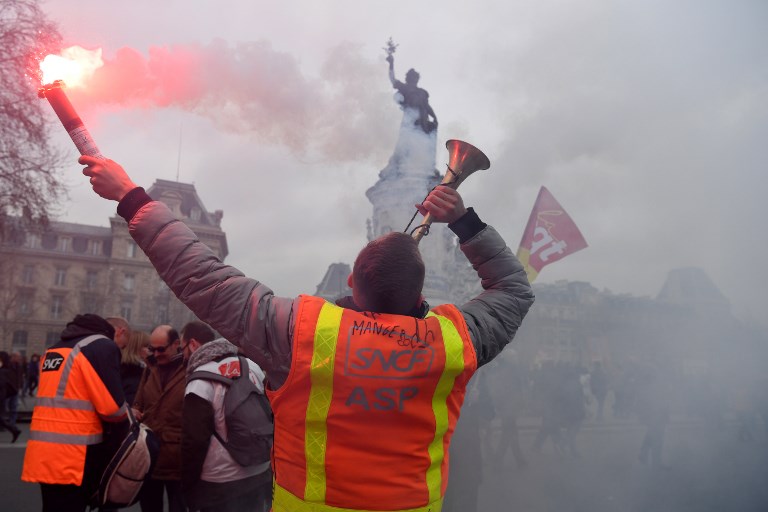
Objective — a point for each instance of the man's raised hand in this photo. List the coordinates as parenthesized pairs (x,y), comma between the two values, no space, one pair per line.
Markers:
(108,178)
(444,203)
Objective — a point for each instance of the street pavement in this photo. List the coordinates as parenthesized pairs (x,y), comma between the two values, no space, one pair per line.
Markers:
(705,469)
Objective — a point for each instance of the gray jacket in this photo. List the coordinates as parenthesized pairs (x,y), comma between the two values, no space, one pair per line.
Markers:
(247,313)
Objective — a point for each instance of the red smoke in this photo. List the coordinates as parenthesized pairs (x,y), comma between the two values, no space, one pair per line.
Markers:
(250,87)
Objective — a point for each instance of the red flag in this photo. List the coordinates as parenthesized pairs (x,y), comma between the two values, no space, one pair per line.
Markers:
(550,235)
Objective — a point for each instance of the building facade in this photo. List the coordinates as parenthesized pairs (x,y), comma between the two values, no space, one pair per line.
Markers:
(48,277)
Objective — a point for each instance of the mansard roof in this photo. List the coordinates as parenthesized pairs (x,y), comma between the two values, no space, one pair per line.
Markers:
(189,201)
(70,228)
(691,286)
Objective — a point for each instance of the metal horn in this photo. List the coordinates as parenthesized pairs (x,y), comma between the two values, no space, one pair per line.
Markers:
(463,160)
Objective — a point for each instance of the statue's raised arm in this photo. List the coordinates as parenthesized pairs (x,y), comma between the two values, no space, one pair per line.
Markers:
(412,96)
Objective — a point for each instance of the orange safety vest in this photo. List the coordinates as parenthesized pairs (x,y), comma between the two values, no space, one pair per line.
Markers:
(71,400)
(364,419)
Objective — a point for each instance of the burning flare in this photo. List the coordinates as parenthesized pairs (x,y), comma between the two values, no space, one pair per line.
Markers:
(75,65)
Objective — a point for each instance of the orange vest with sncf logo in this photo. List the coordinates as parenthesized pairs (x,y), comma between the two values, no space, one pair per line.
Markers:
(364,420)
(71,400)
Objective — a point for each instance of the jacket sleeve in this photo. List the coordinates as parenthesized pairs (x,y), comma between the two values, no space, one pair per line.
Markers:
(494,316)
(198,423)
(107,390)
(243,310)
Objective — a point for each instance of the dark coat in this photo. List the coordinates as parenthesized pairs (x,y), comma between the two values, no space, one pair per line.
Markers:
(161,408)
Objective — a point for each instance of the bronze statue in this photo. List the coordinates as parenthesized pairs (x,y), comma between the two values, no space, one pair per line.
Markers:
(413,96)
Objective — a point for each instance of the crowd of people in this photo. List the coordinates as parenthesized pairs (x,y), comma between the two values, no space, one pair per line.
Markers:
(148,373)
(556,398)
(346,382)
(19,378)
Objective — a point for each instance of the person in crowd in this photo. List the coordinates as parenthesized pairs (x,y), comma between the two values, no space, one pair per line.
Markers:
(6,389)
(366,393)
(211,479)
(625,389)
(132,365)
(463,491)
(80,415)
(33,375)
(508,388)
(598,386)
(571,407)
(545,390)
(158,404)
(17,377)
(122,330)
(653,412)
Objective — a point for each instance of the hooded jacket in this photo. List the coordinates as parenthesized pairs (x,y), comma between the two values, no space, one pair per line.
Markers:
(80,383)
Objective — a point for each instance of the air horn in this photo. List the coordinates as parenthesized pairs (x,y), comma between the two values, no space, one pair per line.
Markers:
(463,160)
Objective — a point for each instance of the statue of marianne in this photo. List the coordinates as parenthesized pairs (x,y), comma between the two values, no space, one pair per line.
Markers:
(413,96)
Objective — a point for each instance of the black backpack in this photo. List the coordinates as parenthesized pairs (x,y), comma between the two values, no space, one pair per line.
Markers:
(247,417)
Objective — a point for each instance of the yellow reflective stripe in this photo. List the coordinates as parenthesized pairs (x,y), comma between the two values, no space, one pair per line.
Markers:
(320,394)
(118,415)
(64,376)
(57,437)
(454,365)
(64,403)
(284,501)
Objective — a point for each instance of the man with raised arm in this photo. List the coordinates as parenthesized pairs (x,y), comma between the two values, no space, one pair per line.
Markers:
(365,396)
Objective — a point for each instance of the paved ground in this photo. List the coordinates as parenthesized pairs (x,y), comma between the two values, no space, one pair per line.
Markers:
(706,469)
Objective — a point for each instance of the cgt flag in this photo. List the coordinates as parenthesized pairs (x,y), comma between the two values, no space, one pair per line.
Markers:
(549,236)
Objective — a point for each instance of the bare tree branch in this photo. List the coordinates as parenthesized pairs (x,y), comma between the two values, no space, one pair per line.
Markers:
(29,179)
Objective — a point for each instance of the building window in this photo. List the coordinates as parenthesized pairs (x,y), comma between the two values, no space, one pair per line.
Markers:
(131,250)
(25,303)
(129,282)
(96,247)
(28,274)
(91,279)
(19,343)
(64,244)
(125,310)
(33,241)
(195,213)
(60,278)
(80,244)
(57,307)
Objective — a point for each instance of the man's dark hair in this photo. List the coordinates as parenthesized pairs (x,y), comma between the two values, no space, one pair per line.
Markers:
(389,274)
(173,335)
(199,331)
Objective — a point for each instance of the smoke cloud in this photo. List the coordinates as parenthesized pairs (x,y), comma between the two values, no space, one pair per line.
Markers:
(340,115)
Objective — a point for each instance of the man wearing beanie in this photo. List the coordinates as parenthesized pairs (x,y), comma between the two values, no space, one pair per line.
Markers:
(79,417)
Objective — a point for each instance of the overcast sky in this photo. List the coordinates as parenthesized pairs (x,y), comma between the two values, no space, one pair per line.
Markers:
(647,120)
